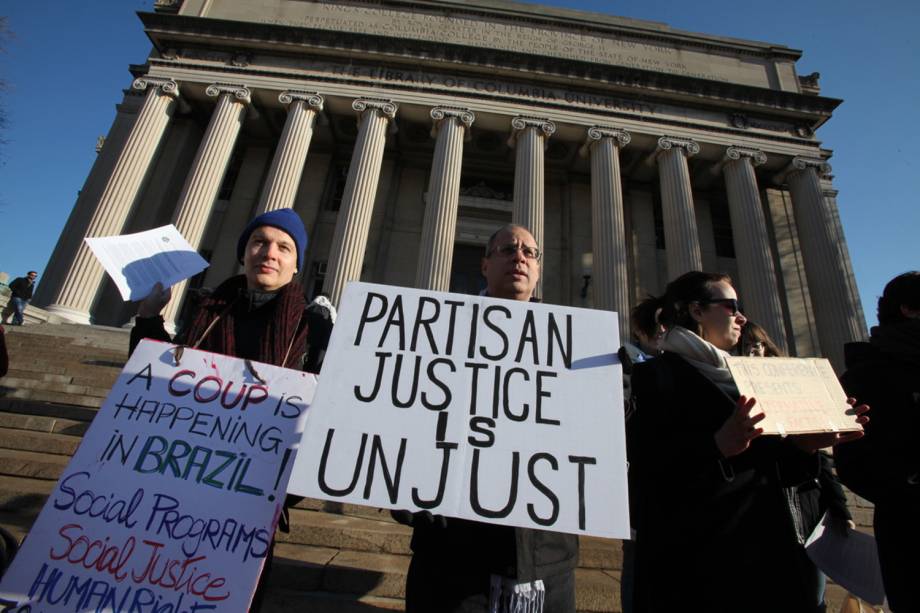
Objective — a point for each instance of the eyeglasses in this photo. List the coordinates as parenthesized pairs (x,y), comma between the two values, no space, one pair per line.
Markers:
(731,304)
(508,250)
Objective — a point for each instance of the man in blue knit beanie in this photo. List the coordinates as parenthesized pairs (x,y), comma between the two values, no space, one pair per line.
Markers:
(259,315)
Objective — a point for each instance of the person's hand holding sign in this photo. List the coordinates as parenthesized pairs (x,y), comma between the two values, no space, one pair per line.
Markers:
(740,429)
(820,440)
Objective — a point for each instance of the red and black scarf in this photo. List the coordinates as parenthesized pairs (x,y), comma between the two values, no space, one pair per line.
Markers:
(284,329)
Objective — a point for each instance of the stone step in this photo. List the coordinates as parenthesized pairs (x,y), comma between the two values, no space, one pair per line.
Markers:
(30,464)
(42,423)
(92,377)
(304,568)
(339,508)
(23,497)
(105,336)
(320,529)
(38,408)
(26,355)
(53,444)
(53,386)
(285,601)
(40,395)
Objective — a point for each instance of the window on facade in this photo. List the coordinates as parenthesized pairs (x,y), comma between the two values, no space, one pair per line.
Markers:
(659,222)
(340,176)
(722,229)
(317,278)
(230,177)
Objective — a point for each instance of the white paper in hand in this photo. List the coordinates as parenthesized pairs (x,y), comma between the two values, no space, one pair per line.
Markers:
(850,560)
(136,262)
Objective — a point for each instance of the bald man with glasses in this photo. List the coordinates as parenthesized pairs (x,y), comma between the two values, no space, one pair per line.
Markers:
(462,566)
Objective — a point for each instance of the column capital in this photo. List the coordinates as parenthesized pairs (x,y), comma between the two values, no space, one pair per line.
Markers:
(465,116)
(522,122)
(386,107)
(690,147)
(240,92)
(756,156)
(166,87)
(310,99)
(802,163)
(598,133)
(799,164)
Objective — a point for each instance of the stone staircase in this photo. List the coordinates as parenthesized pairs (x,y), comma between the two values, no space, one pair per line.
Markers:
(340,558)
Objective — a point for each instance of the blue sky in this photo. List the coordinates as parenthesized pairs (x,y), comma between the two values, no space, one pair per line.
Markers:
(67,63)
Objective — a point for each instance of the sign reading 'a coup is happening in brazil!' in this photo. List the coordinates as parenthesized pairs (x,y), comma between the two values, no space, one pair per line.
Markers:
(466,406)
(171,501)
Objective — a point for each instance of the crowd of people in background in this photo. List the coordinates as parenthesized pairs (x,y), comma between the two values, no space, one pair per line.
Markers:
(720,513)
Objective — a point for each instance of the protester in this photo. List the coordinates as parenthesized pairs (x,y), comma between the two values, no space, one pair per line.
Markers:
(822,497)
(21,293)
(460,565)
(712,519)
(643,320)
(259,315)
(756,343)
(884,467)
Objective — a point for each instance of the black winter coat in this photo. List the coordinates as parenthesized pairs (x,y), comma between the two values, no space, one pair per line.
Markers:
(714,534)
(884,465)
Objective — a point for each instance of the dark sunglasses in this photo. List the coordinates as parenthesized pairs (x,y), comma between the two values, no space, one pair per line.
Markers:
(731,304)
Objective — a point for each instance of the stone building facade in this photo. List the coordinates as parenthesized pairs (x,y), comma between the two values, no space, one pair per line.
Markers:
(405,131)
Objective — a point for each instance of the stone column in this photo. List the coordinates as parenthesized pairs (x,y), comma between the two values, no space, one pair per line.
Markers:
(681,238)
(752,245)
(78,290)
(287,166)
(608,228)
(528,137)
(205,177)
(836,314)
(436,250)
(349,241)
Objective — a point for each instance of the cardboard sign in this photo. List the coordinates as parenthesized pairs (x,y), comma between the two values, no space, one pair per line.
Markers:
(466,406)
(798,395)
(170,502)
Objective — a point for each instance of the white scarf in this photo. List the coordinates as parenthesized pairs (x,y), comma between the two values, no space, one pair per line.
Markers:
(703,355)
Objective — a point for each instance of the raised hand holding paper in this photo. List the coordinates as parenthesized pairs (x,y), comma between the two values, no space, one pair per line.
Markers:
(136,262)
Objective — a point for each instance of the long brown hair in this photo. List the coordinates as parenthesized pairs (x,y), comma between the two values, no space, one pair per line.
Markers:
(752,333)
(691,287)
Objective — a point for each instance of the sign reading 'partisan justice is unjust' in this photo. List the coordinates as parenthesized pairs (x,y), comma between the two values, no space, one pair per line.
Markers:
(472,407)
(170,503)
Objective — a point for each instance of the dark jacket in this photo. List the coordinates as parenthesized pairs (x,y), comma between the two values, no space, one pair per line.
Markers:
(252,313)
(713,532)
(884,465)
(22,288)
(811,500)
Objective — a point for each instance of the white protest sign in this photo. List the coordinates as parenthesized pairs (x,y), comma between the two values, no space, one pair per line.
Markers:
(170,502)
(466,406)
(798,395)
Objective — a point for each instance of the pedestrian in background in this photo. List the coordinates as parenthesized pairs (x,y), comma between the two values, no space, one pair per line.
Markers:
(21,293)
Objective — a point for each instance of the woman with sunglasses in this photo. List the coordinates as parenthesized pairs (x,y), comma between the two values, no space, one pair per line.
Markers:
(712,519)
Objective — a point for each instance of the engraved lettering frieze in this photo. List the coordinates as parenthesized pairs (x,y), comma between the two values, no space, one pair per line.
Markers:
(600,48)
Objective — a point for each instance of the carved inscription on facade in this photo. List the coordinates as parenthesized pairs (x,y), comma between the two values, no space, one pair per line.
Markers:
(538,40)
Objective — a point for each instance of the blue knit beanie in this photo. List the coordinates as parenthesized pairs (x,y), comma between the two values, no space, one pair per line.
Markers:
(283,219)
